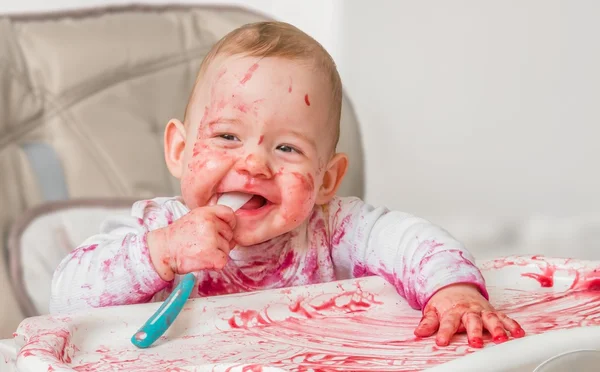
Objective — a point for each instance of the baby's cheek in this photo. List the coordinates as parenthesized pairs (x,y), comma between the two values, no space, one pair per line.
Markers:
(208,162)
(199,149)
(196,179)
(303,184)
(299,194)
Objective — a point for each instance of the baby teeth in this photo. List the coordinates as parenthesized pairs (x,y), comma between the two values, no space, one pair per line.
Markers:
(234,200)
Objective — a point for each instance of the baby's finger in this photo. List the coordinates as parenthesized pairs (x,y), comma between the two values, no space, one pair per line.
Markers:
(223,245)
(474,326)
(511,325)
(428,324)
(224,229)
(493,324)
(448,327)
(225,213)
(215,259)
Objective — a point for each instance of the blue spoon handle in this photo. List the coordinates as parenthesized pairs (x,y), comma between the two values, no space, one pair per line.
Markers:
(162,319)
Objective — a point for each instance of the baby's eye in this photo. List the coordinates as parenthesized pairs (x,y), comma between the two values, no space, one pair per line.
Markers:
(286,148)
(229,137)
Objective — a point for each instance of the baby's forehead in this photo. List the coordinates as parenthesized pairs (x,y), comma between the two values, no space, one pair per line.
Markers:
(240,69)
(271,79)
(275,89)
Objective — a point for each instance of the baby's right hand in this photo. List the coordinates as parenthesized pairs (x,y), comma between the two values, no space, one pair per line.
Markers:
(200,240)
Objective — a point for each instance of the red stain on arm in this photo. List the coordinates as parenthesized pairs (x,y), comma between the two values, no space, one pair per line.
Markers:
(249,73)
(306,100)
(89,248)
(260,140)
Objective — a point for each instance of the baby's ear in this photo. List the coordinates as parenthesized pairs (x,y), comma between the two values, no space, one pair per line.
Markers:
(334,173)
(174,143)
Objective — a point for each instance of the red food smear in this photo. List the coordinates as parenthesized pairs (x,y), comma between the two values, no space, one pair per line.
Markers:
(546,278)
(476,342)
(242,107)
(545,281)
(246,317)
(252,368)
(500,339)
(249,73)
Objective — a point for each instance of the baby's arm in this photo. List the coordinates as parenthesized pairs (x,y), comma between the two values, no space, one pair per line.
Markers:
(414,255)
(113,267)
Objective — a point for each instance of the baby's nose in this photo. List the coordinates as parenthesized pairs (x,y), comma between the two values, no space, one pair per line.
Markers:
(255,165)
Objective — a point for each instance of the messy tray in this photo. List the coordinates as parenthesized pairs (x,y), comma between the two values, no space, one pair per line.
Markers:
(352,325)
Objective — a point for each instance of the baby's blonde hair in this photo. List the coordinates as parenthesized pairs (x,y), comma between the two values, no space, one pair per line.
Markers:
(279,39)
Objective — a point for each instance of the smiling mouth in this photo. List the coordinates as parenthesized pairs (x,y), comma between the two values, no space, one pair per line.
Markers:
(256,202)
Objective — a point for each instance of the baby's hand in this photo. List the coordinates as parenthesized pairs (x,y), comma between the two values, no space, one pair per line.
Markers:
(200,240)
(461,307)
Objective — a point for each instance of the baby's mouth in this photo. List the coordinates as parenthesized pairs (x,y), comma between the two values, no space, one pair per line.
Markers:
(255,202)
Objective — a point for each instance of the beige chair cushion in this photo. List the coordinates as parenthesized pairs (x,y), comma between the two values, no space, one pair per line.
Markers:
(40,238)
(84,98)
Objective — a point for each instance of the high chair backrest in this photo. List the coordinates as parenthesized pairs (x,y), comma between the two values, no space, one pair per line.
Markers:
(84,98)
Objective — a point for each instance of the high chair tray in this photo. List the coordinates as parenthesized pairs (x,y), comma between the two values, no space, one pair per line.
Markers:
(352,325)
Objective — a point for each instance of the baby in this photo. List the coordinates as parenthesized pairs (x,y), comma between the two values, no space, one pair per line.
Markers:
(264,119)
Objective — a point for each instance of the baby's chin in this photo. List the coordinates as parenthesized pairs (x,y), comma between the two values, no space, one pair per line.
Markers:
(248,239)
(260,234)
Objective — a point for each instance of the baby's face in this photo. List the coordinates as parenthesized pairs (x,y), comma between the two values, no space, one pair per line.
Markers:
(259,126)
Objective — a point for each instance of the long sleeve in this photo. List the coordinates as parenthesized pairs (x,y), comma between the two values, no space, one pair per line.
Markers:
(114,267)
(414,255)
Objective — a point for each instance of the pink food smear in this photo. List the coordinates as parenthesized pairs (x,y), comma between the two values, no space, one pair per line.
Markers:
(306,100)
(249,74)
(355,325)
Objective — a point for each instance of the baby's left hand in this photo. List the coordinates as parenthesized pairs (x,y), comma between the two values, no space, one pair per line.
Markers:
(461,307)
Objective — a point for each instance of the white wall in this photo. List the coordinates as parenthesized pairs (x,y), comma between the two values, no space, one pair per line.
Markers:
(488,110)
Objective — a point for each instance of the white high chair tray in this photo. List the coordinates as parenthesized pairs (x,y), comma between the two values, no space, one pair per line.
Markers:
(352,325)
